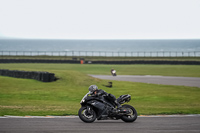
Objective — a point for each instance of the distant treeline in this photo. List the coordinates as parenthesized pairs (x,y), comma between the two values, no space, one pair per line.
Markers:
(41,76)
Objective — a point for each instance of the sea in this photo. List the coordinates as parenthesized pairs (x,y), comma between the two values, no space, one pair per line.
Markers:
(143,45)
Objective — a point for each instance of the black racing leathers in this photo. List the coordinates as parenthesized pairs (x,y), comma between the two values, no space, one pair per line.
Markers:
(111,97)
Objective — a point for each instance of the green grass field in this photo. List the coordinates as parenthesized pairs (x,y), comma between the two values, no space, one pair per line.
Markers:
(62,97)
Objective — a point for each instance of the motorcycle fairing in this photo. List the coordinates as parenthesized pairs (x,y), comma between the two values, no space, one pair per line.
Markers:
(97,104)
(98,107)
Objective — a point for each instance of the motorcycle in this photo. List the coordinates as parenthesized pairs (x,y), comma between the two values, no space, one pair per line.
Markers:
(101,108)
(114,73)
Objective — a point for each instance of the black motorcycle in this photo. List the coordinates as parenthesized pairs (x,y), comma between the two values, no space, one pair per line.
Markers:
(101,108)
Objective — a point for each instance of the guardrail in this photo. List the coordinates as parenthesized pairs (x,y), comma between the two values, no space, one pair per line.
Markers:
(104,53)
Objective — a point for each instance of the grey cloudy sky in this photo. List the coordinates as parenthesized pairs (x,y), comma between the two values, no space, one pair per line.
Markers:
(100,19)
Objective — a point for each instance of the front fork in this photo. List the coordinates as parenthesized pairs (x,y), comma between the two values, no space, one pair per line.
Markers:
(89,110)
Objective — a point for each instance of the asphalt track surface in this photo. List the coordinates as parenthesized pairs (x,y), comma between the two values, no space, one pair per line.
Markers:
(166,80)
(152,124)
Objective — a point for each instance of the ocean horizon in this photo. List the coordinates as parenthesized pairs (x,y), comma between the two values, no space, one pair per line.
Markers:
(100,45)
(151,47)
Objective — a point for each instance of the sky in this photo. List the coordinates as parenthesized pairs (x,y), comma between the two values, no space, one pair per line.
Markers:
(100,19)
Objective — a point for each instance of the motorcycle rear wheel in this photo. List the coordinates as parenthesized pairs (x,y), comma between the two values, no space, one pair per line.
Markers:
(87,116)
(130,117)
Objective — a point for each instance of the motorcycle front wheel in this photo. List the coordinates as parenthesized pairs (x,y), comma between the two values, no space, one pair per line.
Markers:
(86,115)
(132,116)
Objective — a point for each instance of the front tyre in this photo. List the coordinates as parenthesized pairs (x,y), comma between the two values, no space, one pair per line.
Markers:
(86,115)
(132,116)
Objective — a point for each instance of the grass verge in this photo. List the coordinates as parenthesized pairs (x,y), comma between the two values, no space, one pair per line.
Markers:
(62,97)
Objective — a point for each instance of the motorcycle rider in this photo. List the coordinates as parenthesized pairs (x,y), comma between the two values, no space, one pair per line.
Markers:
(99,92)
(113,72)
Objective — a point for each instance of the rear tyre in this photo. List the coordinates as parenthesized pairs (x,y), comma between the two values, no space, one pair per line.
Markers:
(87,116)
(132,116)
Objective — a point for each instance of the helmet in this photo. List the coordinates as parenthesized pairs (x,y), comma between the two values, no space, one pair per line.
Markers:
(93,88)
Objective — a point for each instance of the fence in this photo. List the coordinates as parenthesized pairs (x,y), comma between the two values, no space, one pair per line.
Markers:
(104,53)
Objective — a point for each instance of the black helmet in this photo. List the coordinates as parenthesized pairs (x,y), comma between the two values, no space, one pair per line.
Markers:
(93,88)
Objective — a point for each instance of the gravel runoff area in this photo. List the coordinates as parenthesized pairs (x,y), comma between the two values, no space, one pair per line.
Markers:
(166,80)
